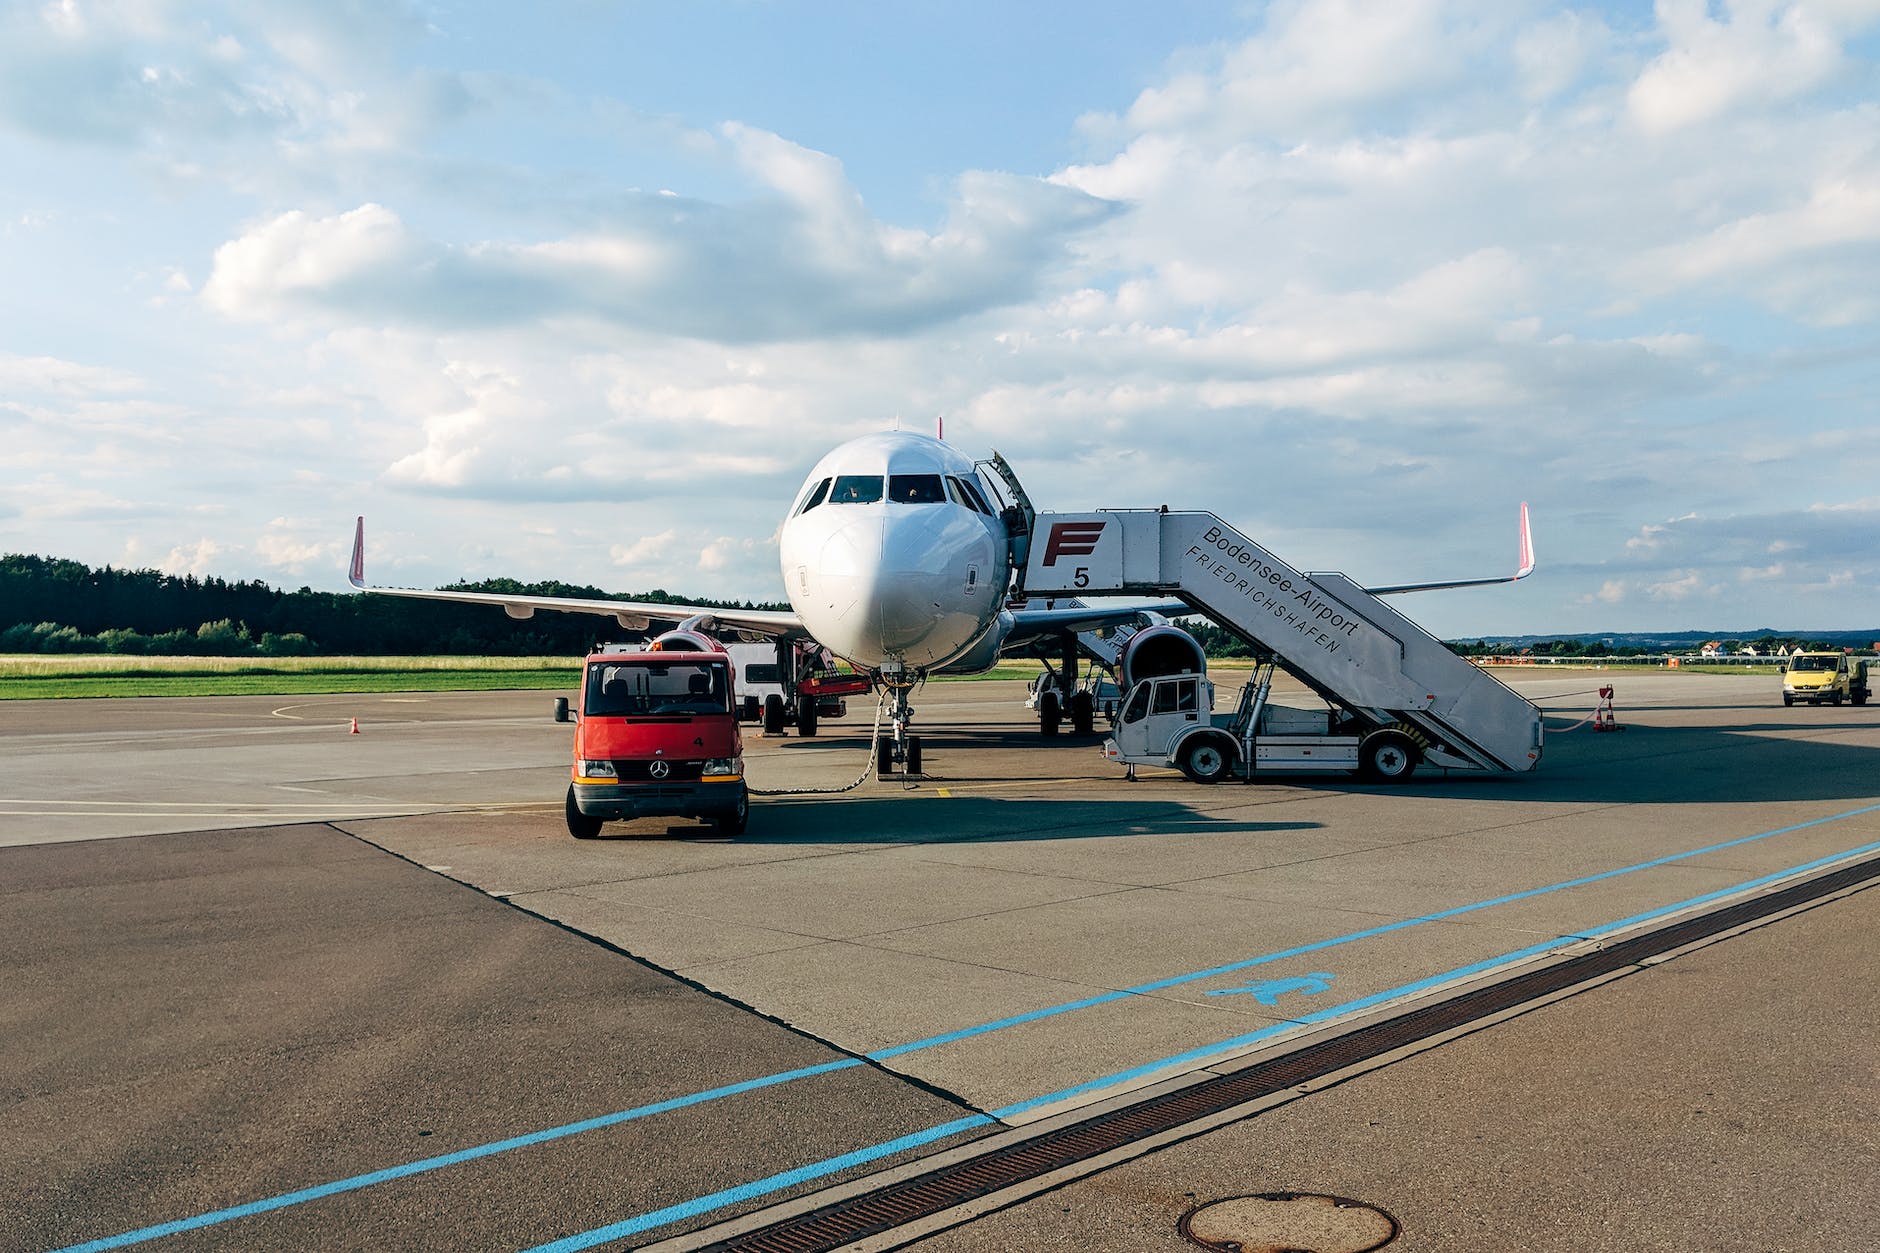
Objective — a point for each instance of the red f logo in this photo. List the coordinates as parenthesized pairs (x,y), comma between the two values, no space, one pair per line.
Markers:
(1071,539)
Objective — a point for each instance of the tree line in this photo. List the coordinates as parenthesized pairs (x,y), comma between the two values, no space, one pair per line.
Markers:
(49,604)
(52,605)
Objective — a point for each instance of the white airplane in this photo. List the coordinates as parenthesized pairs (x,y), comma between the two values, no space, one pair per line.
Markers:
(898,556)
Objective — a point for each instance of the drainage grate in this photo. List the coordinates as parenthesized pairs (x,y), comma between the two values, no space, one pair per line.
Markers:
(893,1205)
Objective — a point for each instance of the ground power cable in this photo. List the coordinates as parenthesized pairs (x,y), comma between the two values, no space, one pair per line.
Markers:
(1591,691)
(874,742)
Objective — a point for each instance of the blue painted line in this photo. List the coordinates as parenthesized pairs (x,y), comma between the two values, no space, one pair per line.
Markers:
(413,1168)
(1350,937)
(758,1187)
(356,1182)
(773,1183)
(1408,989)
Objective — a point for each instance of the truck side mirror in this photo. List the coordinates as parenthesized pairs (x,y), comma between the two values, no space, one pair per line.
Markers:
(1782,669)
(561,709)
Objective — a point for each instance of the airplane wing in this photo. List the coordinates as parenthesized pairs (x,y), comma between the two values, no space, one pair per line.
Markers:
(633,615)
(1522,570)
(1029,625)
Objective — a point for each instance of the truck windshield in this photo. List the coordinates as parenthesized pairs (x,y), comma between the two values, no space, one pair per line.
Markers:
(657,689)
(1813,663)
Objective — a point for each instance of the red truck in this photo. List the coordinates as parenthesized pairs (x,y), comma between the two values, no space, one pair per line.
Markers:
(656,736)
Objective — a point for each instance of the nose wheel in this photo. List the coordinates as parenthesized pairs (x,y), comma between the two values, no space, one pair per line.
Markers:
(906,754)
(899,747)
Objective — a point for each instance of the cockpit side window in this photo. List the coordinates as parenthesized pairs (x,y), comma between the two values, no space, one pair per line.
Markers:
(816,497)
(856,489)
(957,490)
(979,497)
(915,489)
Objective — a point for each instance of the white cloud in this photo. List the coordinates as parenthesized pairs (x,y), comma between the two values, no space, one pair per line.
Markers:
(1683,585)
(1554,52)
(1757,51)
(648,550)
(198,558)
(1777,254)
(807,265)
(1360,276)
(1315,64)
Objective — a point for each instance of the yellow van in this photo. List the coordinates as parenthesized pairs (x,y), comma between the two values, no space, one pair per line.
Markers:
(1833,677)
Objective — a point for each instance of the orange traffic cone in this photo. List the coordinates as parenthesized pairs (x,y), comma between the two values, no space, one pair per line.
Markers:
(1603,719)
(355,727)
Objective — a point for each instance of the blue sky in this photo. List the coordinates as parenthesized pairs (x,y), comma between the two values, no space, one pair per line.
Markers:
(581,292)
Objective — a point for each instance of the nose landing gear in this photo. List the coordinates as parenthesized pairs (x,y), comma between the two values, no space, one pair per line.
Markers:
(899,746)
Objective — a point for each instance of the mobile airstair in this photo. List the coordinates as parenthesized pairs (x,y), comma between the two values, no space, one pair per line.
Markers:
(1364,658)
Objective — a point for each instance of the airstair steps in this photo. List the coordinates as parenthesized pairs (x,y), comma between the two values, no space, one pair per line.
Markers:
(1348,645)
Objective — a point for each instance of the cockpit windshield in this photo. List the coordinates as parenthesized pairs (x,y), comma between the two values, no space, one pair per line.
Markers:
(659,689)
(916,489)
(816,497)
(856,489)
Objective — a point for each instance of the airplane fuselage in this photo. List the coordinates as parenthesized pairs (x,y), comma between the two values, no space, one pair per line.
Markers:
(894,554)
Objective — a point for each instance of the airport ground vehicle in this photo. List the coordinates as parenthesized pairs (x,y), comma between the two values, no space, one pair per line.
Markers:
(783,683)
(1395,696)
(1170,721)
(656,735)
(1095,696)
(1831,677)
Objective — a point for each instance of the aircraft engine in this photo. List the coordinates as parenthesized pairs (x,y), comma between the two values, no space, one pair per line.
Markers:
(1159,650)
(684,642)
(983,653)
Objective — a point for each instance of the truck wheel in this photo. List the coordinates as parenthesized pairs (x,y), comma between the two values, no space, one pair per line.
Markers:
(1083,713)
(1835,700)
(1206,759)
(580,825)
(733,822)
(1048,712)
(749,710)
(773,715)
(884,758)
(913,754)
(1787,701)
(1387,757)
(805,714)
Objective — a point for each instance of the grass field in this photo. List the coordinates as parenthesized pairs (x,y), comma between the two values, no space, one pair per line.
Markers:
(42,677)
(39,677)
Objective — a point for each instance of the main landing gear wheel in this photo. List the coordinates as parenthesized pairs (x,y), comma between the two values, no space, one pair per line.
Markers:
(580,825)
(733,823)
(805,715)
(1206,759)
(1387,757)
(773,715)
(1049,712)
(913,754)
(1083,713)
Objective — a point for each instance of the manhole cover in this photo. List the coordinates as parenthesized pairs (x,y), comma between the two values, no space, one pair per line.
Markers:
(1289,1222)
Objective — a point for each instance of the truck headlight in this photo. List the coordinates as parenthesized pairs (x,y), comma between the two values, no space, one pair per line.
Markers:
(597,770)
(723,767)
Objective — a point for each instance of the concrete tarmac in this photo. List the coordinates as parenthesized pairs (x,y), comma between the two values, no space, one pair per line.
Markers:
(1015,935)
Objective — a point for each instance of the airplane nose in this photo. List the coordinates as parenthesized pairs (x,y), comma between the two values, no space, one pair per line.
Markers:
(887,591)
